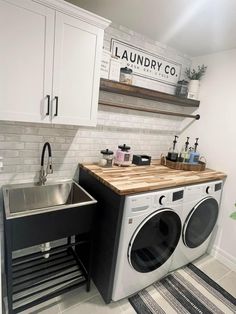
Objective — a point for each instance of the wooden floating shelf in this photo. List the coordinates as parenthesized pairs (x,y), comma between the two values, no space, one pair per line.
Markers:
(145,93)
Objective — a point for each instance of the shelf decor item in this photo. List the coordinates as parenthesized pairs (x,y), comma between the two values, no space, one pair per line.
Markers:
(233,215)
(182,88)
(126,75)
(195,76)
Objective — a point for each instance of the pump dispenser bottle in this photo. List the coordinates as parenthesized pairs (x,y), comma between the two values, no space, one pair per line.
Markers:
(194,155)
(173,153)
(184,156)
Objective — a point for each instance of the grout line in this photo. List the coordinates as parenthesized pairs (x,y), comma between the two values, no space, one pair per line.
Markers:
(222,277)
(77,304)
(58,304)
(208,259)
(59,310)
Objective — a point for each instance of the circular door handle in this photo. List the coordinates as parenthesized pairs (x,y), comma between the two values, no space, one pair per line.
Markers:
(162,200)
(208,190)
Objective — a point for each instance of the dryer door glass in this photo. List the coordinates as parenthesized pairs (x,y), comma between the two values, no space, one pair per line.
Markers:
(154,240)
(200,222)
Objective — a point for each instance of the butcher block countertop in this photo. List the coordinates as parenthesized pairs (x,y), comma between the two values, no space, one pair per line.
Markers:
(135,179)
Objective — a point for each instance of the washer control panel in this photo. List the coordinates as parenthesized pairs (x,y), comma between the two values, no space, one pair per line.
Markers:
(139,204)
(169,197)
(178,195)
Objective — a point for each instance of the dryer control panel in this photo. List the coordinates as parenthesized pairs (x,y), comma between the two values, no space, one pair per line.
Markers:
(212,188)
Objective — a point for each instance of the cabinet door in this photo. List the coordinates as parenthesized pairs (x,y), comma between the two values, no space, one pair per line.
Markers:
(26,60)
(76,74)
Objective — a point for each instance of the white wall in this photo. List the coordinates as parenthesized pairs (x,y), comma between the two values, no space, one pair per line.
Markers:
(217,132)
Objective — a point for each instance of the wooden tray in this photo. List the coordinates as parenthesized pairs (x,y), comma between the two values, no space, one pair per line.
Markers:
(183,166)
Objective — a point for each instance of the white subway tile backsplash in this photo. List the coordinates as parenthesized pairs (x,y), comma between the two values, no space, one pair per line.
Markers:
(13,161)
(28,153)
(12,138)
(8,153)
(11,145)
(32,145)
(61,139)
(32,161)
(10,128)
(31,130)
(31,138)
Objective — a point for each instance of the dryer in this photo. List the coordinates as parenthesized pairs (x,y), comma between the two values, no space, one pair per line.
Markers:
(150,232)
(199,218)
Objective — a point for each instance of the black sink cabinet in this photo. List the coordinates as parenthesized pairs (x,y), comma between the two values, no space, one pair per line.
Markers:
(107,227)
(28,275)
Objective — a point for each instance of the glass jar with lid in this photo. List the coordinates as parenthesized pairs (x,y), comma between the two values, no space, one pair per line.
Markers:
(123,156)
(107,158)
(126,75)
(182,88)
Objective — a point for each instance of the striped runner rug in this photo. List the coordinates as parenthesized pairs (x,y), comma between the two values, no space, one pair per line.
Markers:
(187,290)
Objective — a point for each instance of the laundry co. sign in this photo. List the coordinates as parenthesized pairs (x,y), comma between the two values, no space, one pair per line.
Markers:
(146,64)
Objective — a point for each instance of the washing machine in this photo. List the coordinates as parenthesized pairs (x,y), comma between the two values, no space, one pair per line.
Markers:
(199,218)
(150,232)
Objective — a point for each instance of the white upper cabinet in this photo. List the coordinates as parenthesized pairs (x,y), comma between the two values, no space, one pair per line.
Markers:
(77,58)
(26,59)
(50,54)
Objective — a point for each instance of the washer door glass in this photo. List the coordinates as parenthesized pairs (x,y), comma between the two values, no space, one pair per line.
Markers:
(154,240)
(200,222)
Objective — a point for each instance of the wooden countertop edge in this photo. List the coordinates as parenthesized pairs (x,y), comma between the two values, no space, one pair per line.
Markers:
(217,176)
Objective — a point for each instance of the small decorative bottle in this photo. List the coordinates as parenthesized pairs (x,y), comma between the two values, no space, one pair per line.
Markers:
(173,153)
(194,155)
(185,153)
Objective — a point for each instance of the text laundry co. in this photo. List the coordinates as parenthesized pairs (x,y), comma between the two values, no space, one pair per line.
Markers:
(146,64)
(144,61)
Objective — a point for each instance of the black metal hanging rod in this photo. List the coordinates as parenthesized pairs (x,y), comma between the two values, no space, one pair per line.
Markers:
(167,113)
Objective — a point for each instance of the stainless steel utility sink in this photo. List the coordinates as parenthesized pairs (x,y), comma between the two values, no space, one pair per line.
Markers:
(27,199)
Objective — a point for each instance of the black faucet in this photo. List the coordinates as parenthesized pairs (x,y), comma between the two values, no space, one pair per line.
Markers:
(49,170)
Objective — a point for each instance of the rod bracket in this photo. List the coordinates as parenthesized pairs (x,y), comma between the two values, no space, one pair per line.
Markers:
(197,117)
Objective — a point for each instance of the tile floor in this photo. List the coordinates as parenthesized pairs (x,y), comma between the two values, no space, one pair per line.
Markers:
(79,301)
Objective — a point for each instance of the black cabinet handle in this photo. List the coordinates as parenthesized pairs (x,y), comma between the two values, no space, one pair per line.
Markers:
(48,97)
(56,113)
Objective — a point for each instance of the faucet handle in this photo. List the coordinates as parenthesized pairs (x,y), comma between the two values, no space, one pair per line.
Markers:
(49,169)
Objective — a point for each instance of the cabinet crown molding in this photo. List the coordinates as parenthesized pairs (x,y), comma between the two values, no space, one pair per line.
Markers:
(75,11)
